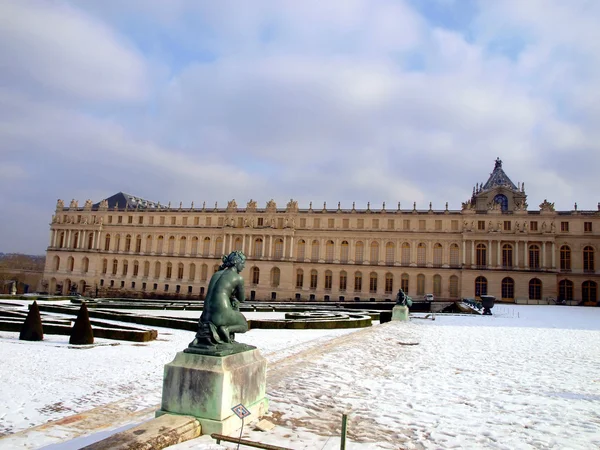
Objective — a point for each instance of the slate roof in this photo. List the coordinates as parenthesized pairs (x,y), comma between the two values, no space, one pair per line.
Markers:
(498,178)
(121,199)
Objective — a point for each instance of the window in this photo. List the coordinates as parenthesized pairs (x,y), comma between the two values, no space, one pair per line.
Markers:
(420,284)
(260,222)
(589,291)
(194,251)
(453,286)
(438,225)
(421,254)
(534,257)
(255,272)
(389,283)
(149,244)
(481,225)
(406,224)
(344,252)
(422,225)
(162,220)
(480,286)
(157,270)
(346,223)
(85,265)
(209,221)
(357,282)
(313,279)
(130,219)
(437,285)
(390,253)
(314,252)
(146,269)
(343,280)
(90,241)
(316,222)
(565,258)
(507,225)
(391,224)
(507,256)
(454,256)
(329,247)
(114,267)
(299,278)
(196,221)
(275,276)
(184,221)
(405,257)
(404,282)
(128,243)
(301,250)
(258,248)
(206,246)
(138,244)
(587,227)
(331,223)
(564,227)
(360,224)
(125,267)
(588,259)
(303,223)
(180,271)
(192,272)
(204,272)
(120,219)
(374,256)
(508,289)
(565,290)
(438,253)
(454,225)
(159,245)
(535,289)
(533,225)
(280,222)
(481,255)
(104,265)
(109,219)
(373,283)
(151,220)
(359,252)
(182,245)
(169,271)
(136,268)
(375,224)
(328,280)
(238,243)
(171,245)
(70,263)
(278,253)
(117,242)
(106,243)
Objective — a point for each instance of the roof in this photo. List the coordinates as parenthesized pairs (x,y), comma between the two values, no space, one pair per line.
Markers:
(122,200)
(498,178)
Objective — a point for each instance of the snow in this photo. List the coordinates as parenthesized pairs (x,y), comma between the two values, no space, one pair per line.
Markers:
(526,377)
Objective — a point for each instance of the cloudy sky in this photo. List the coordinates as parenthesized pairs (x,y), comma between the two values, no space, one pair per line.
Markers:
(323,101)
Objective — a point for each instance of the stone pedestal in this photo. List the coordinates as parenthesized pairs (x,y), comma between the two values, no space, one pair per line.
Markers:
(207,387)
(400,313)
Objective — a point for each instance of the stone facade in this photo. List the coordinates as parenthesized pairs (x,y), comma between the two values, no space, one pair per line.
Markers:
(493,245)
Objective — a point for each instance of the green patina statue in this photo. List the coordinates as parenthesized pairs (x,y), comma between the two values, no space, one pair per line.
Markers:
(402,299)
(221,318)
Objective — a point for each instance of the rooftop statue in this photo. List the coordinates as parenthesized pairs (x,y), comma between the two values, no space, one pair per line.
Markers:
(221,317)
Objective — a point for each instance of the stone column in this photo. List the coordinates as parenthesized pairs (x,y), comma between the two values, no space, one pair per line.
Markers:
(53,234)
(499,255)
(268,239)
(489,258)
(292,248)
(544,255)
(68,239)
(526,254)
(464,253)
(553,256)
(517,254)
(473,261)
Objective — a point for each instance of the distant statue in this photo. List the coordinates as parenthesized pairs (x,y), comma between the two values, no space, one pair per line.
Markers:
(402,299)
(221,317)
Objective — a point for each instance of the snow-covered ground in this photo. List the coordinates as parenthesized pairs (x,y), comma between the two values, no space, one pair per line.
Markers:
(527,377)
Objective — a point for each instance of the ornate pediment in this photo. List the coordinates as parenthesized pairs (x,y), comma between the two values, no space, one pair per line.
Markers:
(60,205)
(292,206)
(88,205)
(74,204)
(251,206)
(271,206)
(546,206)
(232,205)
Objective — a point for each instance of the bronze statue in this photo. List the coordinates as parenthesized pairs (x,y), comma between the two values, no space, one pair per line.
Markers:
(402,299)
(221,318)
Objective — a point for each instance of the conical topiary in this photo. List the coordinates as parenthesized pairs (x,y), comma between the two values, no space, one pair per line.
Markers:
(81,333)
(32,329)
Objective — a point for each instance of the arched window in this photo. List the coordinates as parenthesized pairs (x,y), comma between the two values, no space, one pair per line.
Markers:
(535,289)
(299,278)
(453,286)
(192,272)
(237,245)
(389,283)
(70,263)
(404,282)
(588,259)
(405,256)
(438,255)
(420,284)
(374,256)
(480,286)
(421,254)
(117,242)
(169,271)
(565,290)
(204,272)
(146,269)
(157,269)
(507,256)
(329,248)
(180,271)
(194,251)
(314,252)
(301,250)
(128,243)
(106,242)
(136,268)
(275,275)
(343,280)
(437,285)
(206,246)
(125,267)
(115,266)
(85,265)
(278,250)
(454,256)
(76,240)
(373,283)
(159,244)
(255,275)
(357,282)
(105,266)
(328,280)
(171,245)
(565,258)
(258,248)
(390,253)
(344,254)
(313,279)
(90,241)
(138,244)
(508,289)
(182,245)
(149,244)
(359,253)
(481,255)
(589,291)
(61,239)
(534,257)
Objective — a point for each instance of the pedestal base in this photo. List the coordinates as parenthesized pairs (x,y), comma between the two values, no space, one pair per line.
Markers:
(400,313)
(207,387)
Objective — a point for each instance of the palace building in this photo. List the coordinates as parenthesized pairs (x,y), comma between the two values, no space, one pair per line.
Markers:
(130,247)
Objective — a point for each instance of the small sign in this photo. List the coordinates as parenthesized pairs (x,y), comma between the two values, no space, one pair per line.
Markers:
(240,411)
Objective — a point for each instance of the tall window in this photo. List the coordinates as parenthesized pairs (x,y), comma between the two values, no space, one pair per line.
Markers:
(275,276)
(182,245)
(169,271)
(148,244)
(389,283)
(204,272)
(278,253)
(313,279)
(157,270)
(390,253)
(328,280)
(535,289)
(405,256)
(138,244)
(146,269)
(343,280)
(314,251)
(301,250)
(508,289)
(85,265)
(106,242)
(329,251)
(454,256)
(192,273)
(565,258)
(128,243)
(357,282)
(404,282)
(360,251)
(194,250)
(373,283)
(589,291)
(159,245)
(117,242)
(258,248)
(437,285)
(480,286)
(255,273)
(90,241)
(299,278)
(70,263)
(420,284)
(421,254)
(534,257)
(104,265)
(206,246)
(481,255)
(437,255)
(344,252)
(180,271)
(115,265)
(238,244)
(171,245)
(588,259)
(453,286)
(219,247)
(374,256)
(565,290)
(507,256)
(125,267)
